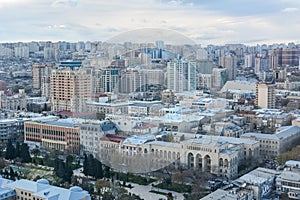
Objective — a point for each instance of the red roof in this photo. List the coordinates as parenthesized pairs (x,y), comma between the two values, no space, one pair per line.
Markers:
(114,138)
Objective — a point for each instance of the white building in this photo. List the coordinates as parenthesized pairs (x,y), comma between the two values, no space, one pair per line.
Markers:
(181,75)
(271,145)
(42,190)
(289,180)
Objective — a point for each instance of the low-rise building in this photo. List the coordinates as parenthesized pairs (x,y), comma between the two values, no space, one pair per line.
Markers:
(214,154)
(11,130)
(62,134)
(91,131)
(260,181)
(13,101)
(6,193)
(272,145)
(289,180)
(230,194)
(42,190)
(227,129)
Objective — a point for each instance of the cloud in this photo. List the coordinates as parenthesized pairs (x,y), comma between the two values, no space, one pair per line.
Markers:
(205,22)
(65,3)
(289,10)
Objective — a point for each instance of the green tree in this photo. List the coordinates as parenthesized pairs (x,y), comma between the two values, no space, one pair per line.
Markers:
(10,151)
(85,165)
(18,150)
(36,152)
(100,115)
(12,173)
(69,161)
(24,153)
(169,137)
(107,172)
(91,166)
(98,169)
(102,186)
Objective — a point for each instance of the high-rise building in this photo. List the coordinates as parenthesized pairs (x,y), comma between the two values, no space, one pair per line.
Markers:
(230,63)
(181,75)
(287,56)
(219,78)
(71,87)
(131,81)
(265,95)
(40,71)
(109,80)
(202,54)
(49,53)
(22,52)
(248,60)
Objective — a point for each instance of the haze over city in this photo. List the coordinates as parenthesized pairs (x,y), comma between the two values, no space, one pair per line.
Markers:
(205,22)
(149,99)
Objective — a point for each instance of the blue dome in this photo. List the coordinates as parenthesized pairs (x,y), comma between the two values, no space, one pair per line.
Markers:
(76,189)
(43,181)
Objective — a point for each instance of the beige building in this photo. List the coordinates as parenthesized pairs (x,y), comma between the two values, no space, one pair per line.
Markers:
(40,71)
(217,155)
(271,145)
(265,95)
(13,102)
(70,89)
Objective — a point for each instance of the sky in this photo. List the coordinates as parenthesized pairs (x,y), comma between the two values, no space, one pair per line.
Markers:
(202,21)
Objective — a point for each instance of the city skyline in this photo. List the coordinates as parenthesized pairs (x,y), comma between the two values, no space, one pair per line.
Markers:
(213,22)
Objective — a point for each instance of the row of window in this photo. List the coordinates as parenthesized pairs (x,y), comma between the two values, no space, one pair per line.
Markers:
(199,148)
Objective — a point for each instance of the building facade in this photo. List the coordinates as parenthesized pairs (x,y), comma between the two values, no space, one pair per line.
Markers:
(70,89)
(62,135)
(265,95)
(42,190)
(181,75)
(271,145)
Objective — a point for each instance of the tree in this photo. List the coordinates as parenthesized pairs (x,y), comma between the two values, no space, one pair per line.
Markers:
(12,173)
(85,165)
(98,169)
(107,172)
(100,115)
(91,165)
(169,137)
(102,186)
(69,160)
(182,138)
(18,150)
(24,153)
(10,151)
(36,152)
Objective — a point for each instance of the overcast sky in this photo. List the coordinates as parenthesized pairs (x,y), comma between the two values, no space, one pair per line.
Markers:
(203,21)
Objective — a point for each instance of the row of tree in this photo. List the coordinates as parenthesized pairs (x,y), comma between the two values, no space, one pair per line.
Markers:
(64,169)
(92,167)
(20,151)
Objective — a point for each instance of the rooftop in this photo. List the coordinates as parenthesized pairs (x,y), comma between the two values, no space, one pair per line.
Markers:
(258,176)
(141,139)
(43,189)
(283,132)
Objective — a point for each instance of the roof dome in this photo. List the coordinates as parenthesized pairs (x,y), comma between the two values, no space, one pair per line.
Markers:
(76,189)
(43,181)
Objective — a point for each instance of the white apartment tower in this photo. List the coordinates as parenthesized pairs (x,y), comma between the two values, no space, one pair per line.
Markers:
(39,72)
(181,75)
(229,62)
(265,95)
